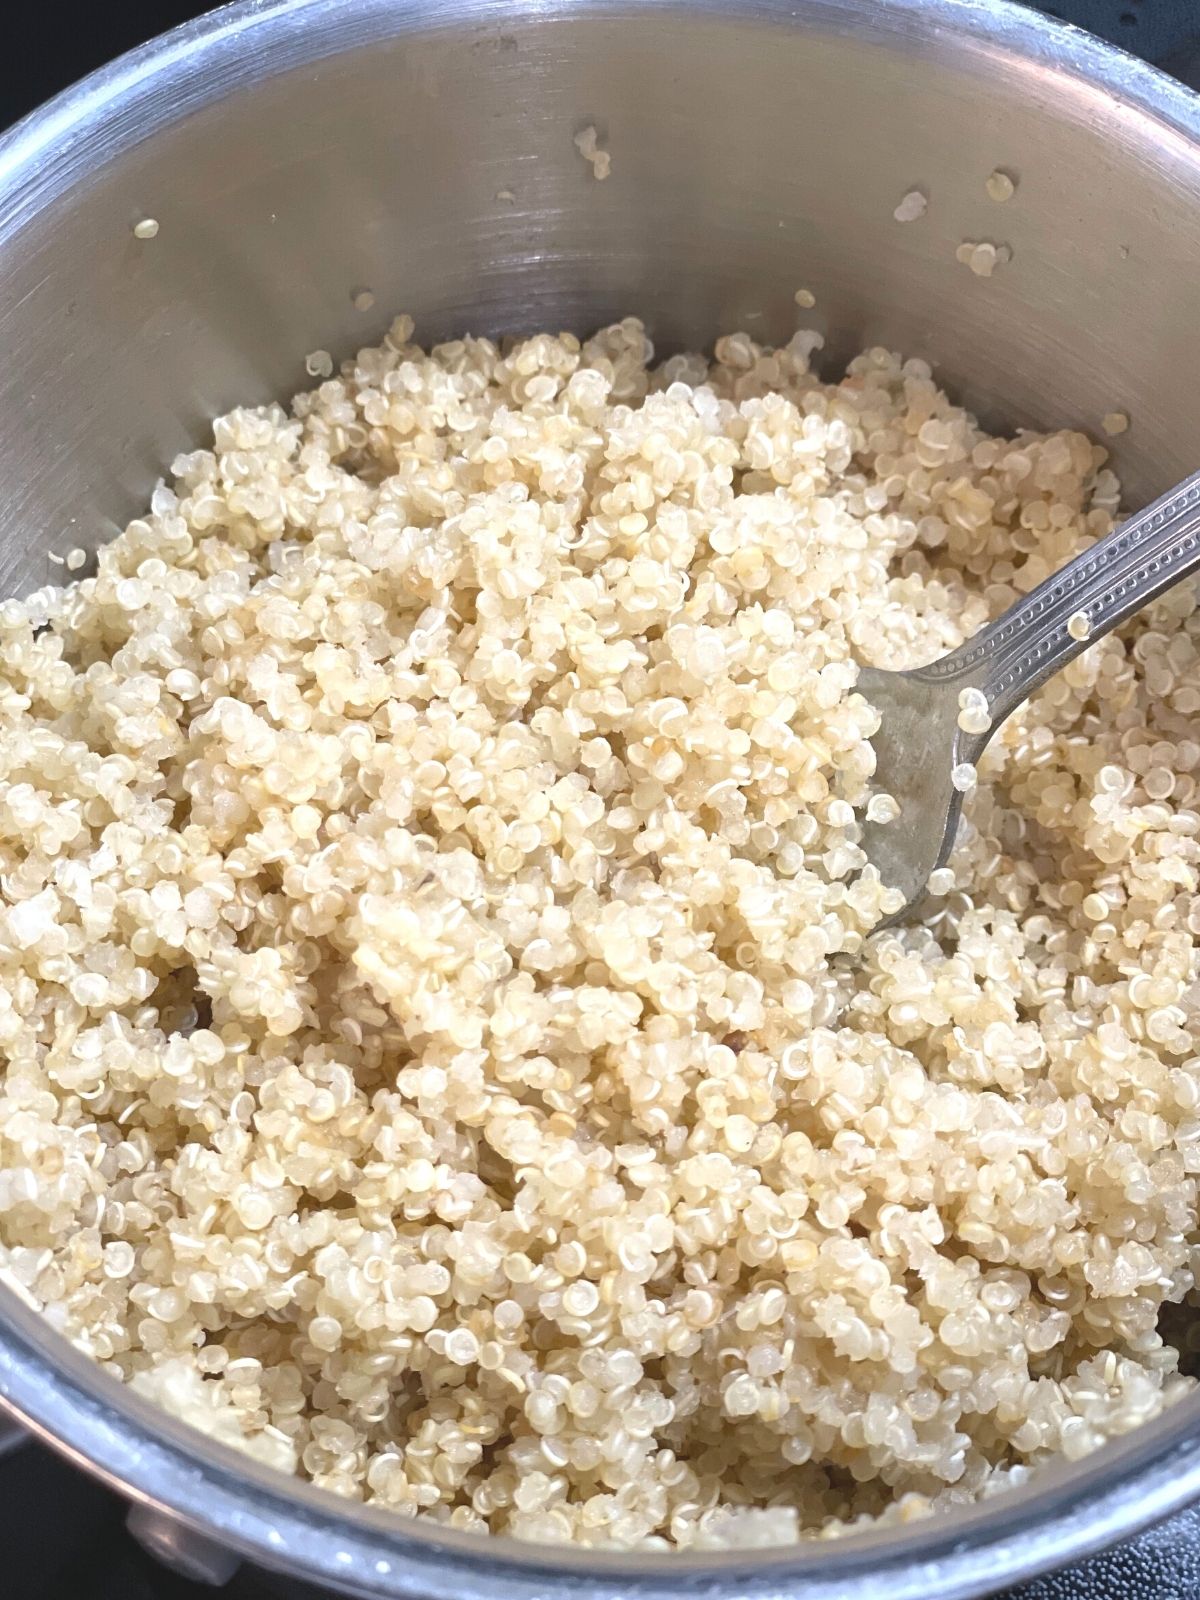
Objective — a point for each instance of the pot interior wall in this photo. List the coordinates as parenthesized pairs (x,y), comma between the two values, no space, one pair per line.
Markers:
(435,166)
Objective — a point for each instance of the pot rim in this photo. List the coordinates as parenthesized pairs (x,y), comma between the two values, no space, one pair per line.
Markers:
(1066,1511)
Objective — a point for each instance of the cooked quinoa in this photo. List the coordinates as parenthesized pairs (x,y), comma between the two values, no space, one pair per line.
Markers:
(448,1054)
(1001,186)
(983,257)
(588,144)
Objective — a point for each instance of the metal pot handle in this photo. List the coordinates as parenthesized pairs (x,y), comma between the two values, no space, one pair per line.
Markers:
(180,1548)
(12,1435)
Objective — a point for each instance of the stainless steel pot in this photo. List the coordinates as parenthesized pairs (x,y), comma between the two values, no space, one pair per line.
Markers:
(298,152)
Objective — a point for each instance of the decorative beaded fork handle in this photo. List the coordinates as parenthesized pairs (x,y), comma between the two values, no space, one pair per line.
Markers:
(919,742)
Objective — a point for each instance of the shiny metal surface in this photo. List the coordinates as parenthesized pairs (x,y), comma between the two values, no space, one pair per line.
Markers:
(176,1546)
(297,152)
(919,740)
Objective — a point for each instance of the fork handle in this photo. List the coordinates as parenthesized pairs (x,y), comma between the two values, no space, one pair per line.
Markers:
(1013,656)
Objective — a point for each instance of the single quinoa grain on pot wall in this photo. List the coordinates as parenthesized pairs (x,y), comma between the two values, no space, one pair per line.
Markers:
(448,1051)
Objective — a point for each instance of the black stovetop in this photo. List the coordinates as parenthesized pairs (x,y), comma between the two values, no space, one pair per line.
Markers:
(62,1536)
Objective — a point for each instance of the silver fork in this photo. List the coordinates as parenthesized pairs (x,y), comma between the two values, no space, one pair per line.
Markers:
(919,742)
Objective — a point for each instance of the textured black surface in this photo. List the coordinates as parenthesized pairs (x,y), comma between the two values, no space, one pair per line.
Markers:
(60,43)
(61,1535)
(1155,29)
(1164,1564)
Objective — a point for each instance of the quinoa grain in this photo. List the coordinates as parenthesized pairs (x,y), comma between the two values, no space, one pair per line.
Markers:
(448,1051)
(1000,186)
(912,207)
(588,144)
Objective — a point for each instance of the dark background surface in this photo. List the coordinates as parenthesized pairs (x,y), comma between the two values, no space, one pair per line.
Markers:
(61,1536)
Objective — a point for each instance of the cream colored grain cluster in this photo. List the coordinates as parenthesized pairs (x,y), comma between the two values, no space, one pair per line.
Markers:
(447,1052)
